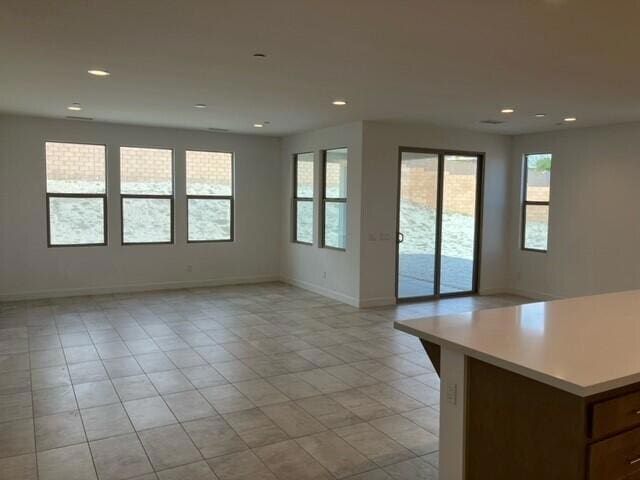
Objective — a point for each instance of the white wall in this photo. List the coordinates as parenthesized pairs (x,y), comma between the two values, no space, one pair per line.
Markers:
(29,269)
(380,197)
(593,222)
(306,265)
(594,231)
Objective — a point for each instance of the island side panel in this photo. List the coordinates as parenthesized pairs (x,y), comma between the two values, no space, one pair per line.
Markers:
(518,428)
(453,379)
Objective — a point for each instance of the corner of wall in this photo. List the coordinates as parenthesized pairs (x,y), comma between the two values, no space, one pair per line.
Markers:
(303,265)
(513,193)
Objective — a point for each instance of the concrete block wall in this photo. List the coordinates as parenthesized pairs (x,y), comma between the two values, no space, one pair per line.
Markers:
(209,167)
(146,165)
(74,161)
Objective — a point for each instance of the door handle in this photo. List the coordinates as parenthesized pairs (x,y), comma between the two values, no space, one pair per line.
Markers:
(400,237)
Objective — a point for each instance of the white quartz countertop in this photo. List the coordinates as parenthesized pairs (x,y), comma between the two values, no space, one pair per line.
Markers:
(584,345)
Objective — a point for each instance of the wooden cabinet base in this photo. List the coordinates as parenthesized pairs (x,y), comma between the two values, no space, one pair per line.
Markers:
(616,458)
(521,429)
(517,428)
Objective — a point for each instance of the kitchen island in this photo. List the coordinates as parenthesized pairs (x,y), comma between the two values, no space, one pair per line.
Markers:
(542,391)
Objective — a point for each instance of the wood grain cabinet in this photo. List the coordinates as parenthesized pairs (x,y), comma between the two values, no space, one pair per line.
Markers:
(615,415)
(615,427)
(616,458)
(518,428)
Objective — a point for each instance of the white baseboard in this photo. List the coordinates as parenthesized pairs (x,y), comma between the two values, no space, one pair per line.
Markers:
(327,292)
(535,295)
(377,302)
(319,289)
(522,293)
(141,287)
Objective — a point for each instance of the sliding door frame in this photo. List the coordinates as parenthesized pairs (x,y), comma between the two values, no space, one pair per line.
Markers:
(477,243)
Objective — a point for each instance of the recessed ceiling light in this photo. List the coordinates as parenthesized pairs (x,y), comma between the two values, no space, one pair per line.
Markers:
(339,103)
(507,110)
(99,73)
(541,115)
(570,119)
(199,105)
(258,125)
(76,107)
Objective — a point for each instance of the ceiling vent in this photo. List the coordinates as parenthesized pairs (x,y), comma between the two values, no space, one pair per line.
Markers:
(219,130)
(492,122)
(84,119)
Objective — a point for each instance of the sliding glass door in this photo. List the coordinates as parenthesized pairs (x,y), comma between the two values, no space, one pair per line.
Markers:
(418,225)
(438,223)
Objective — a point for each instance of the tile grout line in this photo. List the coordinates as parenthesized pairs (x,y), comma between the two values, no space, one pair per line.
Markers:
(33,408)
(127,413)
(78,404)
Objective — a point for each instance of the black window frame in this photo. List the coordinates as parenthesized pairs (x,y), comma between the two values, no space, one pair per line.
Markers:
(296,199)
(171,197)
(103,196)
(526,203)
(213,197)
(326,200)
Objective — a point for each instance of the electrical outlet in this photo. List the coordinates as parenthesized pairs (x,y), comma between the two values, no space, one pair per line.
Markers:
(324,275)
(452,393)
(189,268)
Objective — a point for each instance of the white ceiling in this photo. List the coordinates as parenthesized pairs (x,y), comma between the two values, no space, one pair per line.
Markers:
(446,62)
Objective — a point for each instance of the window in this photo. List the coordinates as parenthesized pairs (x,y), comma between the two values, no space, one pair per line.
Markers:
(535,205)
(303,198)
(146,195)
(334,199)
(209,196)
(76,194)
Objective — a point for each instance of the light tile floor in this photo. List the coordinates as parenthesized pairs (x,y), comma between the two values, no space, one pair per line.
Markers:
(232,383)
